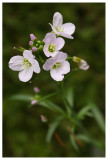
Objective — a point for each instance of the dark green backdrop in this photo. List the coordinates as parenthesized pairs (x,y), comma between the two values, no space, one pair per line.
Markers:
(23,132)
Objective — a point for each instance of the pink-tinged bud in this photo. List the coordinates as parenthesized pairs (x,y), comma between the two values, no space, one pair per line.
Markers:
(34,102)
(36,90)
(34,49)
(30,43)
(43,118)
(32,37)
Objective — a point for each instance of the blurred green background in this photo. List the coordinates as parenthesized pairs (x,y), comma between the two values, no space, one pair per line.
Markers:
(23,132)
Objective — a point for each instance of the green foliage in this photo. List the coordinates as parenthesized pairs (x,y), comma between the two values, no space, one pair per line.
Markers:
(85,111)
(53,127)
(70,97)
(21,97)
(99,117)
(74,144)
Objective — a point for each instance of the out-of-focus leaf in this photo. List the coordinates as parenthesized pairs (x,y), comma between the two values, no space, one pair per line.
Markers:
(53,127)
(21,97)
(99,117)
(48,104)
(83,138)
(74,144)
(70,97)
(85,111)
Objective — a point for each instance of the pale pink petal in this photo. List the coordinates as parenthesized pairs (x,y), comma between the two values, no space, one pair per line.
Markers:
(65,67)
(15,63)
(49,38)
(59,42)
(68,28)
(65,35)
(35,66)
(49,63)
(53,28)
(57,19)
(56,75)
(61,56)
(28,55)
(26,74)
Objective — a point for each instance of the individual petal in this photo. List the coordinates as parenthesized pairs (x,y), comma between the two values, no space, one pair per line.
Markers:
(59,42)
(68,28)
(54,30)
(57,19)
(65,35)
(49,63)
(61,56)
(15,63)
(26,74)
(65,67)
(28,55)
(56,75)
(49,38)
(47,53)
(35,66)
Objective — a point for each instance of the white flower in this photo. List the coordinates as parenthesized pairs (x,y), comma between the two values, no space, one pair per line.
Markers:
(52,44)
(65,30)
(82,64)
(58,66)
(26,64)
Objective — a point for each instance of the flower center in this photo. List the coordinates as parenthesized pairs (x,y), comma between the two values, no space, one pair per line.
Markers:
(59,29)
(51,48)
(26,63)
(56,66)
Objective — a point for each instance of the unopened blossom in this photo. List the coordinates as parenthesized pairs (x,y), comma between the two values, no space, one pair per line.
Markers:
(26,64)
(52,44)
(60,29)
(82,64)
(36,90)
(34,101)
(32,36)
(30,43)
(58,66)
(34,49)
(43,118)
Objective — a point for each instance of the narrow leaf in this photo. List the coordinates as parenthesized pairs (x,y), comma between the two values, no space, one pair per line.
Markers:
(70,97)
(84,111)
(21,97)
(50,105)
(99,117)
(53,127)
(74,144)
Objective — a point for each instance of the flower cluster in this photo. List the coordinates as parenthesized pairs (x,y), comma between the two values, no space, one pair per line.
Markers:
(48,53)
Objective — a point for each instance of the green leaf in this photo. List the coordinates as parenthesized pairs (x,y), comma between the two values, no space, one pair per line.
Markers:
(21,97)
(50,105)
(74,144)
(53,127)
(83,138)
(85,111)
(99,117)
(70,97)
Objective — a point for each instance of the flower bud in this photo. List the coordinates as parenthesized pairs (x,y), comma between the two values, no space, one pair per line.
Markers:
(32,37)
(30,43)
(82,64)
(43,118)
(34,49)
(34,102)
(36,90)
